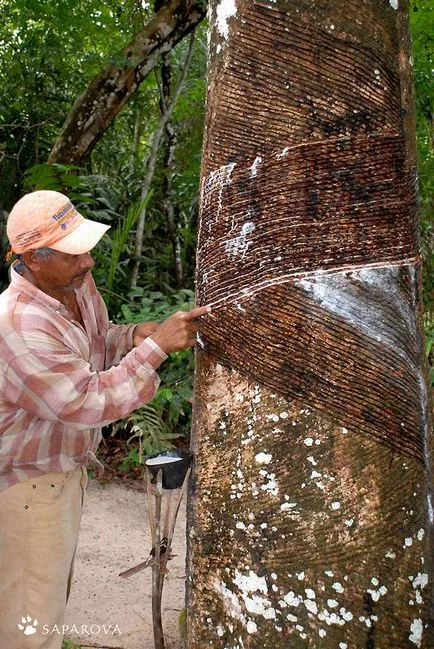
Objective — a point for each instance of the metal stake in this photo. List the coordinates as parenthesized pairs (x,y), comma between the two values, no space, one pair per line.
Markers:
(162,536)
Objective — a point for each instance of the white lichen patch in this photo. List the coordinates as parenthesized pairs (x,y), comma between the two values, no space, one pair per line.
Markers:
(420,581)
(251,627)
(416,630)
(420,534)
(256,394)
(376,594)
(408,542)
(285,507)
(291,599)
(346,615)
(311,606)
(271,486)
(250,585)
(231,603)
(335,505)
(308,441)
(349,522)
(225,10)
(330,618)
(251,582)
(332,603)
(263,458)
(393,4)
(337,586)
(312,460)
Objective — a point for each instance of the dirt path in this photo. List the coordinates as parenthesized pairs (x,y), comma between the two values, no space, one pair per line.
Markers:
(105,610)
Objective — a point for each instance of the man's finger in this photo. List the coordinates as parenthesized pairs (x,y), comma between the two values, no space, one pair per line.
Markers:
(197,313)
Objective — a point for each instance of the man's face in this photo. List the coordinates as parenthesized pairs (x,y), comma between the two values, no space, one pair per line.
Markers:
(59,271)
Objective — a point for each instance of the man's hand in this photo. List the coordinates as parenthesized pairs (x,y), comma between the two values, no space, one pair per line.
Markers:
(179,330)
(143,330)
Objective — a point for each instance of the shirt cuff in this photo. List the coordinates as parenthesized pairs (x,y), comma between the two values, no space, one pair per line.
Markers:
(157,349)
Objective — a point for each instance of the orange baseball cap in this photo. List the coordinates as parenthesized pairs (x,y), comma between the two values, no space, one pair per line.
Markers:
(46,218)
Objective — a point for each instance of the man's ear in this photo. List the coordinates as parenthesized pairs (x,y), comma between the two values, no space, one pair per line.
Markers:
(31,260)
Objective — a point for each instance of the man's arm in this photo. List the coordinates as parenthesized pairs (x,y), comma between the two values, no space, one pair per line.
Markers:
(143,330)
(51,381)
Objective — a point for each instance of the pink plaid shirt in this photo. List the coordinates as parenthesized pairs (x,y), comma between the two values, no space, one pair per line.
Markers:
(60,382)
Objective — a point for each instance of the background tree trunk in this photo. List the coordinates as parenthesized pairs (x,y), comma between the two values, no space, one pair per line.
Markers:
(97,107)
(310,522)
(158,134)
(169,150)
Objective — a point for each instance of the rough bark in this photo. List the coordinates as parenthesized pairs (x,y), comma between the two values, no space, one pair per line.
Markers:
(97,107)
(310,522)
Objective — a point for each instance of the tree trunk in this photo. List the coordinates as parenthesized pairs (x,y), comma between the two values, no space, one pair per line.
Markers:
(97,107)
(169,149)
(158,134)
(310,517)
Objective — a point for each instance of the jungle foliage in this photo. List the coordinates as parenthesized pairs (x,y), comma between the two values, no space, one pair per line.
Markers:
(49,52)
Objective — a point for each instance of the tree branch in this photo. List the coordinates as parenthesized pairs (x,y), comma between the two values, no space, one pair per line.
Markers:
(107,93)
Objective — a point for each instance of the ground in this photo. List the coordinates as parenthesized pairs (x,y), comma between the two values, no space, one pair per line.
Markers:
(105,610)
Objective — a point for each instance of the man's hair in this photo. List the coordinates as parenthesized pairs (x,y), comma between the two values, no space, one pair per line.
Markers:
(42,253)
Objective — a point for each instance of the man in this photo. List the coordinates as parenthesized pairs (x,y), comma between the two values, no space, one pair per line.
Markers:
(65,371)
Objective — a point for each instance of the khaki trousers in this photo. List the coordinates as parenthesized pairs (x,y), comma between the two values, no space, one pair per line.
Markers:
(39,524)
